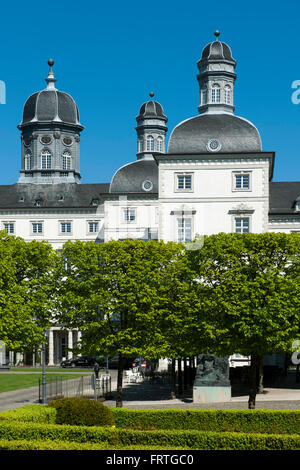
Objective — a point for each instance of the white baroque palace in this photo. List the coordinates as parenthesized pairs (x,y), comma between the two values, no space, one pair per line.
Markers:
(212,177)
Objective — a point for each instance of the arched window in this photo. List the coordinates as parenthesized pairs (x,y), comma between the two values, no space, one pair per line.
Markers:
(216,94)
(66,160)
(204,95)
(159,144)
(150,143)
(227,94)
(45,160)
(28,161)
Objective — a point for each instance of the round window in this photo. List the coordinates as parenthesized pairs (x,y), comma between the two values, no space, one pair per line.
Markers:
(67,140)
(46,139)
(213,145)
(147,185)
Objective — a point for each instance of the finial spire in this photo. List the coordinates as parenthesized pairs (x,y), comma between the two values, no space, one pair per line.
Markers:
(151,94)
(50,79)
(217,34)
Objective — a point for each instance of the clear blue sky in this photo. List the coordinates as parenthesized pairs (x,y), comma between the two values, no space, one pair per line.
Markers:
(110,55)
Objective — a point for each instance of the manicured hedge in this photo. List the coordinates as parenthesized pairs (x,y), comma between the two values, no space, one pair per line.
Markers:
(30,413)
(258,421)
(61,445)
(163,438)
(247,421)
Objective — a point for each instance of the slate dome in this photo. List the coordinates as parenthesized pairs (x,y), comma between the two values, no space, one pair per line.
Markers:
(50,105)
(140,176)
(231,133)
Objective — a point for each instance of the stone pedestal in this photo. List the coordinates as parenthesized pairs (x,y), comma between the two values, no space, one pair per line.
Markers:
(212,384)
(211,394)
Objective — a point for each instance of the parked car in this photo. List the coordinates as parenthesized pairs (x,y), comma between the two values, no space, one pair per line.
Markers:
(113,362)
(83,361)
(143,364)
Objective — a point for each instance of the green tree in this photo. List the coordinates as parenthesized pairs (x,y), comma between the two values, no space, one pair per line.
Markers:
(117,293)
(26,291)
(249,294)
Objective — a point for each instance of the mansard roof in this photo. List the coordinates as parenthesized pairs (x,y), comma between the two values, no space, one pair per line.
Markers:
(283,196)
(71,195)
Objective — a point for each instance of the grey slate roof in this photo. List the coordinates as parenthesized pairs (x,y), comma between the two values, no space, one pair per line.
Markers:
(50,105)
(283,196)
(151,109)
(216,50)
(71,195)
(130,178)
(234,134)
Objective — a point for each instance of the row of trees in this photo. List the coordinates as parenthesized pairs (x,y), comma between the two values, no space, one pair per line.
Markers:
(234,293)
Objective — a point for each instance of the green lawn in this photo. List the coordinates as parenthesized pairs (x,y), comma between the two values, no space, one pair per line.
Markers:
(15,381)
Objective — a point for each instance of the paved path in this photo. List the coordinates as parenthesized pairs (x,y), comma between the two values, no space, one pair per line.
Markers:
(149,395)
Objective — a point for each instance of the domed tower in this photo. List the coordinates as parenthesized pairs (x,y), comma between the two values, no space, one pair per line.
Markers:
(216,128)
(151,129)
(50,136)
(216,78)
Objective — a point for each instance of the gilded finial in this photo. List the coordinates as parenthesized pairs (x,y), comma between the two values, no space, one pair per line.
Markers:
(217,34)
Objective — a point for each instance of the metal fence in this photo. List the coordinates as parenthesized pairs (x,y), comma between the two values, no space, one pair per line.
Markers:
(84,386)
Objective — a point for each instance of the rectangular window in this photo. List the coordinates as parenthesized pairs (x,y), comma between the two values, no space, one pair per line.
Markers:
(9,227)
(184,230)
(65,227)
(129,215)
(242,225)
(37,228)
(242,181)
(216,95)
(93,227)
(184,182)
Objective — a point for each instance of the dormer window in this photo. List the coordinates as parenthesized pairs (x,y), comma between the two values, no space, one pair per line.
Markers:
(216,94)
(150,143)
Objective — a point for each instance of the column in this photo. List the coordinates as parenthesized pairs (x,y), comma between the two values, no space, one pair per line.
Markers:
(70,343)
(51,348)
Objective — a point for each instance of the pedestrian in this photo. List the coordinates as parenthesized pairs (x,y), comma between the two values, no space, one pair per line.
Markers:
(96,369)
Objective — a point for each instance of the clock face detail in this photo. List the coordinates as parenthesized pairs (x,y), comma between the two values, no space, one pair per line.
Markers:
(213,145)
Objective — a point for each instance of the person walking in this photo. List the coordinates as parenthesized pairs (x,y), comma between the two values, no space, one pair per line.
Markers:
(96,369)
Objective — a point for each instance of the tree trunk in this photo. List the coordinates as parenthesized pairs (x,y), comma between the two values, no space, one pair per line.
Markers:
(261,374)
(253,381)
(173,380)
(119,401)
(179,377)
(185,374)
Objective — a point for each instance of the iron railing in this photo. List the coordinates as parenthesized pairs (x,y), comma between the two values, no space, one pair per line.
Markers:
(85,386)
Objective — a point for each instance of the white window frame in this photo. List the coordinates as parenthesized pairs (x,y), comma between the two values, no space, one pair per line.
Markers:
(38,232)
(242,217)
(227,94)
(94,222)
(184,189)
(150,143)
(242,174)
(216,94)
(160,144)
(65,232)
(184,229)
(66,161)
(204,95)
(46,160)
(28,161)
(10,223)
(126,217)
